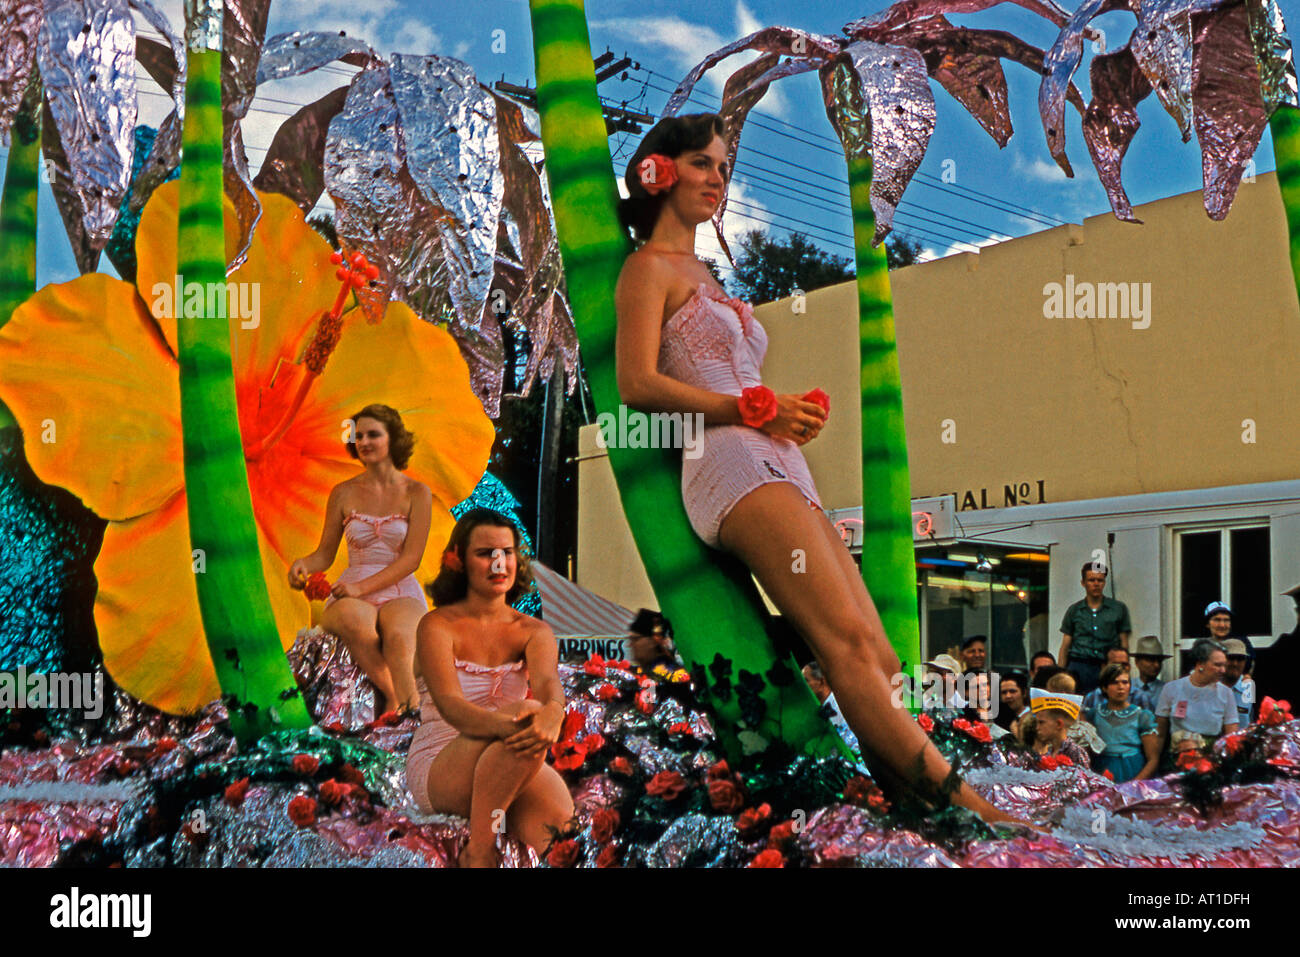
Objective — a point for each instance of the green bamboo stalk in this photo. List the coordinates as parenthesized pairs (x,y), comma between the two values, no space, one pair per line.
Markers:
(18,212)
(888,558)
(712,602)
(233,601)
(1284,125)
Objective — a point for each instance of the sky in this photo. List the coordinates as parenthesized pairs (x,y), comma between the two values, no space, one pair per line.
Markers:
(790,171)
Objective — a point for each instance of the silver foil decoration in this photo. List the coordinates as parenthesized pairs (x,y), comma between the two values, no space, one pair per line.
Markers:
(1162,46)
(294,161)
(86,55)
(1273,55)
(203,23)
(911,11)
(169,72)
(1111,120)
(292,54)
(22,24)
(453,154)
(243,28)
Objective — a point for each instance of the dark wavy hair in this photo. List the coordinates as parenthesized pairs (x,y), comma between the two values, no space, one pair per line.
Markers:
(672,136)
(452,584)
(400,442)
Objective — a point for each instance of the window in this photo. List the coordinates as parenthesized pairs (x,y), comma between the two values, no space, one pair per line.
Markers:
(1229,564)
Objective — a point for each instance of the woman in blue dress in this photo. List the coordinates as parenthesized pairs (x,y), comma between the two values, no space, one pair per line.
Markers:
(1132,742)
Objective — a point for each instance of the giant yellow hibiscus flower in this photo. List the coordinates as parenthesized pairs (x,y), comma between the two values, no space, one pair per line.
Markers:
(89,369)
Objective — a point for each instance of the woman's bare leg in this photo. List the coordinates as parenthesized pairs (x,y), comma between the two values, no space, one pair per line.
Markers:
(397,622)
(355,622)
(543,806)
(451,790)
(764,530)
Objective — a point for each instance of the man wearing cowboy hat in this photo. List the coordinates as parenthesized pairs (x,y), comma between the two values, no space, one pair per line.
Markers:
(1240,683)
(1149,658)
(940,686)
(1277,667)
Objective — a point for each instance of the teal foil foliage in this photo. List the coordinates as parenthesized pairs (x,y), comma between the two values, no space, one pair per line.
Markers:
(492,493)
(48,545)
(121,245)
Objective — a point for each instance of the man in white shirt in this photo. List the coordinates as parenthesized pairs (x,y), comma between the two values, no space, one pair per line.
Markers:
(1199,702)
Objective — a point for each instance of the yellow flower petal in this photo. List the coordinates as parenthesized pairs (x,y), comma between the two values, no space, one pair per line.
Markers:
(97,392)
(147,609)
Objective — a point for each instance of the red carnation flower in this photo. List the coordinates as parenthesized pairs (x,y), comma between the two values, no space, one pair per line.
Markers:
(645,701)
(333,792)
(725,797)
(980,732)
(768,858)
(317,587)
(657,173)
(961,724)
(302,810)
(679,727)
(591,743)
(667,785)
(1064,761)
(719,771)
(564,854)
(305,764)
(608,856)
(1274,712)
(857,789)
(757,405)
(925,721)
(234,795)
(350,775)
(620,664)
(1233,743)
(1048,762)
(574,721)
(621,766)
(781,833)
(595,665)
(567,755)
(605,692)
(818,397)
(603,824)
(752,818)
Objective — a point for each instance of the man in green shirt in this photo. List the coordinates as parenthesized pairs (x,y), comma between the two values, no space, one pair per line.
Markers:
(1090,628)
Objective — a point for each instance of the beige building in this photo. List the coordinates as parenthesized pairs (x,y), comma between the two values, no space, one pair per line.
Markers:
(1105,388)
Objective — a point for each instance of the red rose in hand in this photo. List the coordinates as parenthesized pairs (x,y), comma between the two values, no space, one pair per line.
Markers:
(317,588)
(605,692)
(925,721)
(568,755)
(234,795)
(818,397)
(981,733)
(302,811)
(719,771)
(595,666)
(752,818)
(757,406)
(781,833)
(574,721)
(603,824)
(564,854)
(305,764)
(657,173)
(591,743)
(725,797)
(608,856)
(768,858)
(667,785)
(621,766)
(333,792)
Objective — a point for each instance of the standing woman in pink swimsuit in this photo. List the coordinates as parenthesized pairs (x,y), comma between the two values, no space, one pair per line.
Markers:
(377,602)
(684,346)
(491,703)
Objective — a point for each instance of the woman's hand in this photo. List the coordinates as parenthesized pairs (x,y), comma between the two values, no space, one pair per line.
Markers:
(541,728)
(298,574)
(796,419)
(346,590)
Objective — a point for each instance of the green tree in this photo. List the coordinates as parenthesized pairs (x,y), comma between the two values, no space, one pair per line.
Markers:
(769,268)
(901,251)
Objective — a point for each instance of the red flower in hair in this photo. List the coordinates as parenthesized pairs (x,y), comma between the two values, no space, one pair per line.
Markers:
(667,785)
(1274,712)
(961,724)
(564,854)
(302,811)
(603,824)
(657,173)
(768,858)
(679,727)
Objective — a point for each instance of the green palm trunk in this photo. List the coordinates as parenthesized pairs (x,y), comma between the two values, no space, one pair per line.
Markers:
(888,560)
(1285,127)
(233,601)
(18,212)
(712,601)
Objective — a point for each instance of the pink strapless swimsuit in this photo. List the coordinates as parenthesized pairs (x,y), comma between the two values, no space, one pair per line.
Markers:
(483,686)
(374,542)
(715,343)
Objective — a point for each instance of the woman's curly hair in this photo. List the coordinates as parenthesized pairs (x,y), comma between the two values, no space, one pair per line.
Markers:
(672,136)
(400,442)
(452,584)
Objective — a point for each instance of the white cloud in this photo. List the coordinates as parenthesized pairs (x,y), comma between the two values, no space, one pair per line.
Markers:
(1038,169)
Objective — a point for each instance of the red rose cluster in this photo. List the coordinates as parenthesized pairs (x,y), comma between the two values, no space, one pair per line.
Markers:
(317,587)
(1050,762)
(1274,712)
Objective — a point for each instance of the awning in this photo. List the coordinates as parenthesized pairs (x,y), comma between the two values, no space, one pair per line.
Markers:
(572,611)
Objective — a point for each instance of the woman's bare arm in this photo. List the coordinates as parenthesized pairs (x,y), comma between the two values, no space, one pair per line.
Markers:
(330,536)
(543,728)
(412,553)
(434,649)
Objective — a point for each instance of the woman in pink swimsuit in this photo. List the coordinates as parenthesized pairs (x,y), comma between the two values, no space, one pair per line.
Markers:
(491,703)
(377,602)
(684,346)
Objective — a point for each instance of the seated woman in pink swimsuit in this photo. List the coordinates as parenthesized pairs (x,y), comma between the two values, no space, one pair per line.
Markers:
(377,602)
(684,346)
(482,741)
